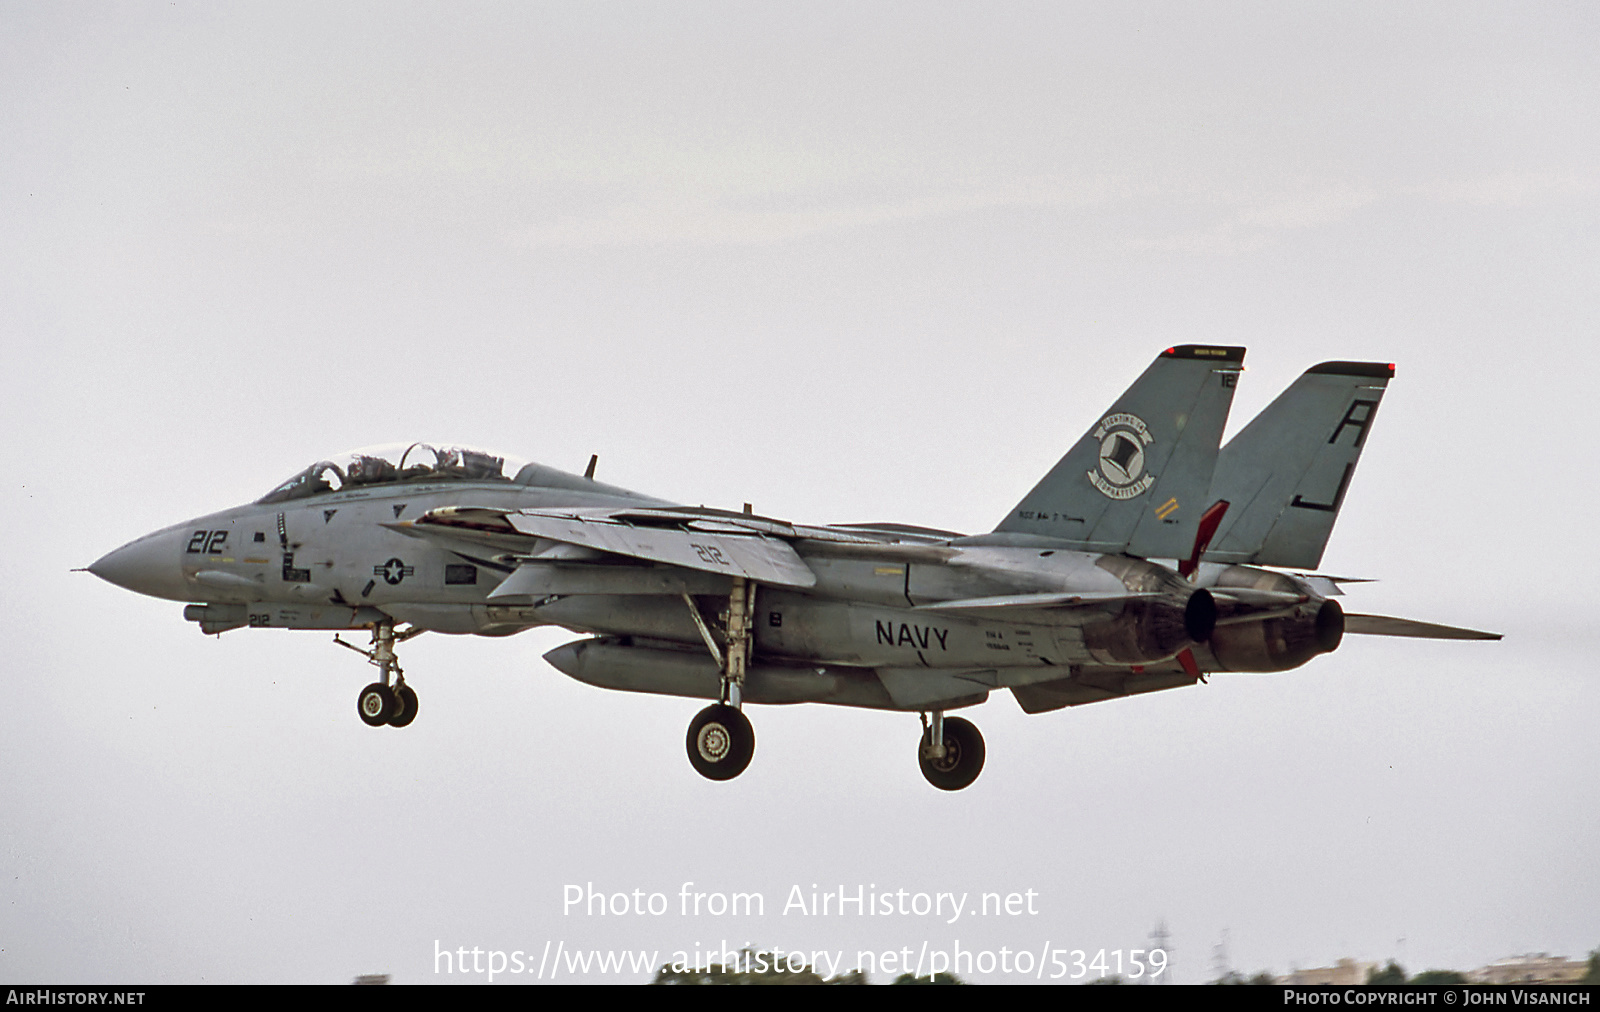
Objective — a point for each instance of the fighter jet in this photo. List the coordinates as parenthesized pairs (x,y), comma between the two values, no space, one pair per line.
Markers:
(1148,558)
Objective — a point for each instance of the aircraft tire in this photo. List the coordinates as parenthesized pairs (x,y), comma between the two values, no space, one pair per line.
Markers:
(405,707)
(721,742)
(376,704)
(963,760)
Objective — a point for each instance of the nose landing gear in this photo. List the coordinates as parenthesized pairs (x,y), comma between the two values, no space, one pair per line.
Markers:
(382,702)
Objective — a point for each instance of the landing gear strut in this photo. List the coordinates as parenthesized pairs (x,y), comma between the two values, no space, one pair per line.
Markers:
(382,702)
(951,752)
(721,741)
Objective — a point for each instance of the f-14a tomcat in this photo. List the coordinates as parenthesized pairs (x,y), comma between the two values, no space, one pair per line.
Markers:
(1147,558)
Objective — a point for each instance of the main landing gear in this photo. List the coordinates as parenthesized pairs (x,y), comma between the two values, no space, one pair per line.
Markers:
(951,751)
(389,700)
(721,741)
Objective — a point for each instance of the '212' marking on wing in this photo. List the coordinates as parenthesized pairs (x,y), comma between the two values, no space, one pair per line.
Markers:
(709,553)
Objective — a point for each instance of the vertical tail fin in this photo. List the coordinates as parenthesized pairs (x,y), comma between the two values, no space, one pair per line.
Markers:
(1137,480)
(1286,474)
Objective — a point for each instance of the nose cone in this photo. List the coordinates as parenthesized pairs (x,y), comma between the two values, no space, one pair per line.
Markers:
(150,566)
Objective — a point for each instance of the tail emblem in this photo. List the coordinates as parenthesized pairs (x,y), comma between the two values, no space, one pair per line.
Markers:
(1123,439)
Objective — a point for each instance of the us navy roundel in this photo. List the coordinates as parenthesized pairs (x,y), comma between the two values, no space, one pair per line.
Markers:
(1123,439)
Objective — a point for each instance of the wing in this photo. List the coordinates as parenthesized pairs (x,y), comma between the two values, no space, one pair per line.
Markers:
(730,550)
(561,547)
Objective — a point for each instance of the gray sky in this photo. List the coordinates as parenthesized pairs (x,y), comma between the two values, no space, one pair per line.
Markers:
(847,262)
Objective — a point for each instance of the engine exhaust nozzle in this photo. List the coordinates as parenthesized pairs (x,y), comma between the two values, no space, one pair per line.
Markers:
(1200,616)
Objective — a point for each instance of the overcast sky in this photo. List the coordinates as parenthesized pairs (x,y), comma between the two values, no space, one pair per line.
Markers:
(847,262)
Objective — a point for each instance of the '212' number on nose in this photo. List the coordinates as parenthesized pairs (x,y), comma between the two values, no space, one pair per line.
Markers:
(209,542)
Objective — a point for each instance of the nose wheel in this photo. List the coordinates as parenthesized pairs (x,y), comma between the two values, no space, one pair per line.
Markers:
(958,759)
(375,704)
(379,704)
(405,706)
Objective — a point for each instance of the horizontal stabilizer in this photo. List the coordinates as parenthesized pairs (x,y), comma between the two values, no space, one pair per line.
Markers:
(1384,625)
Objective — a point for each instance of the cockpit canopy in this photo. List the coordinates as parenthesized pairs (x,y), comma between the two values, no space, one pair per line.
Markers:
(411,463)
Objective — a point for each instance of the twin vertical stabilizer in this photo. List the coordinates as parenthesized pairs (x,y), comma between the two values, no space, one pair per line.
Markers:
(1287,473)
(1137,481)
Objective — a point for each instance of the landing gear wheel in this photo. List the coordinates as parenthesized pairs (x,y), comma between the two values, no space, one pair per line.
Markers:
(405,708)
(963,756)
(376,704)
(721,742)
